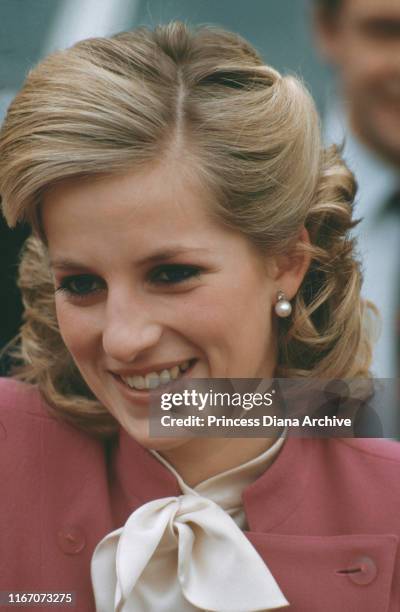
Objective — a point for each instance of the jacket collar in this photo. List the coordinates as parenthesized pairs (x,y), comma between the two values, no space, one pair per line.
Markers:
(267,501)
(142,476)
(279,490)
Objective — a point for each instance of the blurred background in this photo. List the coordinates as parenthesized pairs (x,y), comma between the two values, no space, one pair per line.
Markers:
(280,30)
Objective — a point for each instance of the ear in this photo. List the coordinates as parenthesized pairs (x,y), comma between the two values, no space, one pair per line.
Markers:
(327,31)
(288,271)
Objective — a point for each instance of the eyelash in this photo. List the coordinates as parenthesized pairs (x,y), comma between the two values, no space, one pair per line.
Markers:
(66,286)
(185,273)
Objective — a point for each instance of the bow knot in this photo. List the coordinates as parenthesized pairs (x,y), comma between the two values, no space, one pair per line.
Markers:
(182,549)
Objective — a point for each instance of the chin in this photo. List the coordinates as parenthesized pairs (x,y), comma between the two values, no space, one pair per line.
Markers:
(141,434)
(380,133)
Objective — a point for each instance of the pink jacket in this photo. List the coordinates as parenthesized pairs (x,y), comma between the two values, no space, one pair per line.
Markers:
(325,516)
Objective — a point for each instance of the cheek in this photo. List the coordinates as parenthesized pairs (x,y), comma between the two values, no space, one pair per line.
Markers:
(358,60)
(205,316)
(230,315)
(76,329)
(357,76)
(365,70)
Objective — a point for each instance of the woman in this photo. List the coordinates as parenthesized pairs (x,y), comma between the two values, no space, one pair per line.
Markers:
(187,224)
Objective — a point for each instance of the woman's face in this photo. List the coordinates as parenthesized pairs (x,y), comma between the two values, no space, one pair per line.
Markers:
(149,286)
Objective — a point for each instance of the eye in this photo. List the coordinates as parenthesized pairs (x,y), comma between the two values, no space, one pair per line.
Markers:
(174,274)
(80,285)
(384,29)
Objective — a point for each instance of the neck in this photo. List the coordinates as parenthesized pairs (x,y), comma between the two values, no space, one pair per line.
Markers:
(202,458)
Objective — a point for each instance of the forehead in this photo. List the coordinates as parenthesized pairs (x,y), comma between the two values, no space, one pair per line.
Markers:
(162,186)
(372,9)
(155,204)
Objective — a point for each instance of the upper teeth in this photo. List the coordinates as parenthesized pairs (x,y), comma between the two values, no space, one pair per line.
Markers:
(152,380)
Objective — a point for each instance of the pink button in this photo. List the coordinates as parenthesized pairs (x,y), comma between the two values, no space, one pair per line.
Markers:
(71,540)
(362,571)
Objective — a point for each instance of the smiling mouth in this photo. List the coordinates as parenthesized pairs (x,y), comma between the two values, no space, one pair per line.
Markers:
(157,380)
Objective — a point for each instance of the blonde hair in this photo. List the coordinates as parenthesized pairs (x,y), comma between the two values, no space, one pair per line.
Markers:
(108,105)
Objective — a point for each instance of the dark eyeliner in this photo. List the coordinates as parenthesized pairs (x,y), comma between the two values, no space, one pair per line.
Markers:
(66,285)
(178,273)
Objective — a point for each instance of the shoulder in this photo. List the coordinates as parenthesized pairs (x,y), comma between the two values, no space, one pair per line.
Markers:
(19,399)
(23,407)
(349,485)
(371,451)
(30,428)
(360,465)
(38,451)
(54,479)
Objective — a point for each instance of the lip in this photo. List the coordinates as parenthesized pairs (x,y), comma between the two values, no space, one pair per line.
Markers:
(143,396)
(159,367)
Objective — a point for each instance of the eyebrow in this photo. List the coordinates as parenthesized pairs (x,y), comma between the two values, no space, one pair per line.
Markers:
(390,23)
(158,256)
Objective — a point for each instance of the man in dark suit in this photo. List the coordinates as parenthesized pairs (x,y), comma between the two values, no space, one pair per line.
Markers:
(361,41)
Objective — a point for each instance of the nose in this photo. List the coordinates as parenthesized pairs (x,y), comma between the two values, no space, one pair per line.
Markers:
(130,328)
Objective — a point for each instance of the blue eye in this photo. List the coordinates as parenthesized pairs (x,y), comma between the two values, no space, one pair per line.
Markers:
(174,274)
(80,285)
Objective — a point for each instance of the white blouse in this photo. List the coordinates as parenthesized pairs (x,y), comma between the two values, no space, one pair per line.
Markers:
(186,553)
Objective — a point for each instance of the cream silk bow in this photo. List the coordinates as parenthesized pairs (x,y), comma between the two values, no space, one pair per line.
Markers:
(181,553)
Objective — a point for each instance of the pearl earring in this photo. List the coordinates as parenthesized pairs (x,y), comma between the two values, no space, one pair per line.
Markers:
(283,307)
